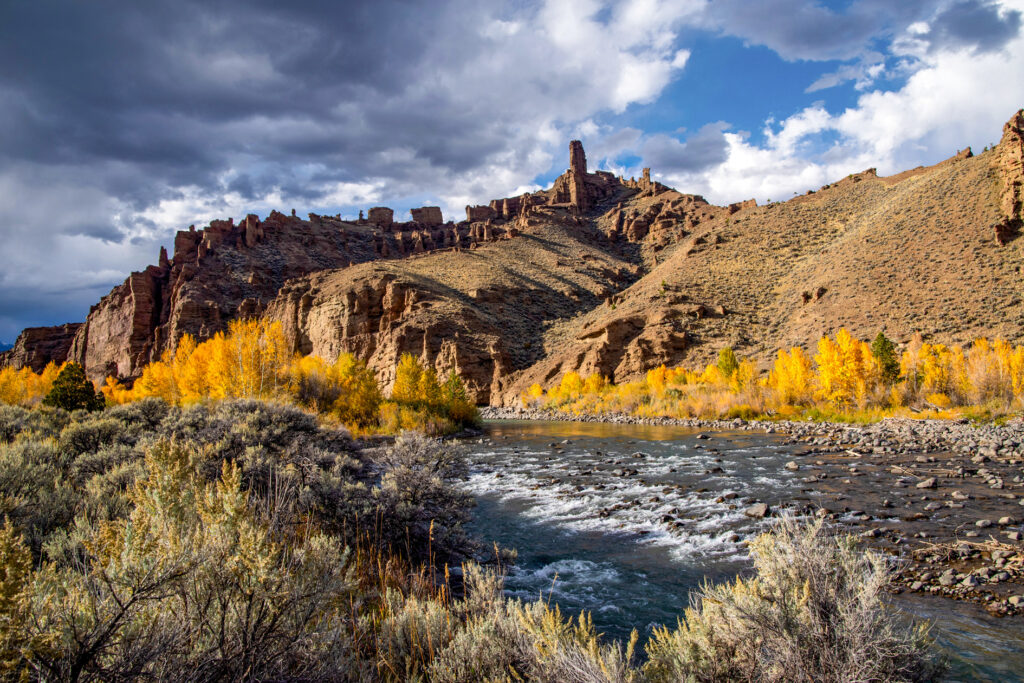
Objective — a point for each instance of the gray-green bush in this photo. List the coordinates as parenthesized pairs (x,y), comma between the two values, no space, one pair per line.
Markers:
(243,541)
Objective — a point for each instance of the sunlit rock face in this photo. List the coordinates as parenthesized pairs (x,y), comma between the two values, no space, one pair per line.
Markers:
(597,274)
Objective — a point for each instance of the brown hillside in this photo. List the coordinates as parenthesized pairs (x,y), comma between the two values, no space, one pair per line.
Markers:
(596,274)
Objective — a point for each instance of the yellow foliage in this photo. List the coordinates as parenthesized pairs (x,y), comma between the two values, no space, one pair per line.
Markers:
(25,388)
(846,368)
(346,389)
(792,378)
(249,362)
(657,379)
(743,377)
(407,380)
(712,375)
(595,384)
(845,375)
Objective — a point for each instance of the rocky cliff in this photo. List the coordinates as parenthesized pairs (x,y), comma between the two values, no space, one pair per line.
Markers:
(36,347)
(595,274)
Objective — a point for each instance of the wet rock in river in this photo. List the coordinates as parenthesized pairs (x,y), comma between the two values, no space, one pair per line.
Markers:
(757,510)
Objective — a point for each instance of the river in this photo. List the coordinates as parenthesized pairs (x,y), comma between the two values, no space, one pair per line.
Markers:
(624,521)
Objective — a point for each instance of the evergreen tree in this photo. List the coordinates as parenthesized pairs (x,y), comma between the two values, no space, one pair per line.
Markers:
(727,362)
(884,352)
(73,390)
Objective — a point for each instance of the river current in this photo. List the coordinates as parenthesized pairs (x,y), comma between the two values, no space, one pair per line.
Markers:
(623,521)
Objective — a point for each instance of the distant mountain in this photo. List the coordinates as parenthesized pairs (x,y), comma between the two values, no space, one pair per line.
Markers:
(5,347)
(597,274)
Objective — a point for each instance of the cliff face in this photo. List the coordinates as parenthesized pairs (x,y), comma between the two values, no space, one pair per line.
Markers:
(227,271)
(38,346)
(482,312)
(595,274)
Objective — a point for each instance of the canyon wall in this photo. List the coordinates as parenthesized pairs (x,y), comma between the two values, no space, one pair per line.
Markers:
(596,274)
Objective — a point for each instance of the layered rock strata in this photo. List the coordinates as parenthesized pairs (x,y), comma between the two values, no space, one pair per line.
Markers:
(36,347)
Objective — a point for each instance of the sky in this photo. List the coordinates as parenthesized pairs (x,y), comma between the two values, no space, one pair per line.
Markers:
(125,121)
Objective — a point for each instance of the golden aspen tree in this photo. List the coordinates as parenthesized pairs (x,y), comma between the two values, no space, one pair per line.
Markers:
(407,380)
(792,377)
(249,362)
(712,375)
(596,383)
(359,398)
(1016,368)
(846,368)
(115,393)
(195,379)
(26,388)
(157,380)
(571,386)
(429,389)
(13,387)
(935,368)
(657,379)
(743,376)
(910,364)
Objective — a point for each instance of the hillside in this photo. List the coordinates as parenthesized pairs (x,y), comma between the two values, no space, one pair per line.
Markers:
(595,274)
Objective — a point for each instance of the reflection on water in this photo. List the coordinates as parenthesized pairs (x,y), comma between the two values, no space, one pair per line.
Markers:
(624,520)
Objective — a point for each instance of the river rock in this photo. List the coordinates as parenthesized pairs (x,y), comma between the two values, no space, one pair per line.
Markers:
(928,483)
(757,510)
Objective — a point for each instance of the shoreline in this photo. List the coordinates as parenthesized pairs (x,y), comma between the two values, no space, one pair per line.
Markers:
(911,436)
(944,497)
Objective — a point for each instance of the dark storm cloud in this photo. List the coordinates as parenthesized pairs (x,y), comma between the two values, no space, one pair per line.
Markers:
(974,24)
(25,307)
(704,149)
(799,29)
(124,120)
(179,89)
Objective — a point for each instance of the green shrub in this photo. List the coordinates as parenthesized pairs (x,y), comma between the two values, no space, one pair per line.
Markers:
(72,390)
(422,511)
(243,541)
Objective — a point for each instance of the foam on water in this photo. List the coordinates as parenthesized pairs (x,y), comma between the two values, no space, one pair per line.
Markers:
(634,569)
(664,493)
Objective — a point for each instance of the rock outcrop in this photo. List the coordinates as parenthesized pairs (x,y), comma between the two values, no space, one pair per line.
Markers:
(1010,165)
(429,216)
(36,347)
(227,271)
(597,274)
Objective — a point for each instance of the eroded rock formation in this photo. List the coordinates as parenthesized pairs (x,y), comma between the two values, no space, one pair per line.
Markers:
(38,346)
(596,274)
(1010,165)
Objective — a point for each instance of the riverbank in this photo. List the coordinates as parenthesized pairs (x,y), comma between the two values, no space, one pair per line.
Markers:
(945,497)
